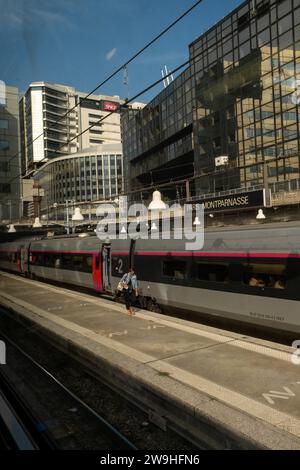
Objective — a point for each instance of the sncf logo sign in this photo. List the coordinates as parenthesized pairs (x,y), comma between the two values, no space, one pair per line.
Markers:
(109,106)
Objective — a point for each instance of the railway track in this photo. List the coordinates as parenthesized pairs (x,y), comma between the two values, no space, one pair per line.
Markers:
(87,385)
(37,411)
(18,427)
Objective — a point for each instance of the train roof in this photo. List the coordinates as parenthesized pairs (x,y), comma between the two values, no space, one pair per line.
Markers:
(269,237)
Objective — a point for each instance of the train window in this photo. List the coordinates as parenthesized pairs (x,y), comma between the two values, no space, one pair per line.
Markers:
(175,269)
(47,260)
(78,262)
(66,261)
(212,272)
(34,258)
(39,259)
(265,275)
(89,264)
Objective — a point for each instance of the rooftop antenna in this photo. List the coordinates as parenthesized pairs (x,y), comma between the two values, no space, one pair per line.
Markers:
(164,80)
(166,76)
(126,80)
(253,8)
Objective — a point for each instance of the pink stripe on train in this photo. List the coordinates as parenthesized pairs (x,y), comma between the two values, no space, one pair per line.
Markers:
(212,254)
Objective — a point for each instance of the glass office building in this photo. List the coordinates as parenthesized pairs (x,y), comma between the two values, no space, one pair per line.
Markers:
(239,98)
(159,138)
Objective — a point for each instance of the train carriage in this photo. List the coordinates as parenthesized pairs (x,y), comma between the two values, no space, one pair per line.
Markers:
(14,256)
(68,260)
(217,280)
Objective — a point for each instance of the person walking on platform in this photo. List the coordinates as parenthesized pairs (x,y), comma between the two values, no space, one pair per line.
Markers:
(130,286)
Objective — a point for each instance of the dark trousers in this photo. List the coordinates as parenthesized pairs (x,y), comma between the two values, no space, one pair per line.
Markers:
(128,298)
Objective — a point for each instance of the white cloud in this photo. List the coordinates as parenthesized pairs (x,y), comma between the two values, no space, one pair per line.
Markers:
(17,15)
(52,17)
(111,54)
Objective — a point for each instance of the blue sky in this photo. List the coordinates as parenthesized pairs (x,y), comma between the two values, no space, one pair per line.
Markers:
(80,42)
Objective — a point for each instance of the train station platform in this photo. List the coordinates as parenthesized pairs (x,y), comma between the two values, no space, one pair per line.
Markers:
(222,389)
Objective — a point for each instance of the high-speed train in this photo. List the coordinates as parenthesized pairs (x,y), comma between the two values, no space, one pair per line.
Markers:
(249,274)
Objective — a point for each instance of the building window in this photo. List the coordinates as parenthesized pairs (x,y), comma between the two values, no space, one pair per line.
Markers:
(4,145)
(5,188)
(3,123)
(4,166)
(96,132)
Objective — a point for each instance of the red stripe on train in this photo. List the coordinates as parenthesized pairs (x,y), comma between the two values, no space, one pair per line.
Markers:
(211,254)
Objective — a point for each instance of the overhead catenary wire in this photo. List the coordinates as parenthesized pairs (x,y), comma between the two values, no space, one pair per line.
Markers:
(161,170)
(145,90)
(120,68)
(96,123)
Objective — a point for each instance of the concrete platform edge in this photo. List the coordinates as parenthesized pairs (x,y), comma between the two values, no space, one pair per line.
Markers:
(207,422)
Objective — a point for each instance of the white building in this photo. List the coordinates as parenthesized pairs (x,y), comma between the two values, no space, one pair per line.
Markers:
(95,174)
(43,120)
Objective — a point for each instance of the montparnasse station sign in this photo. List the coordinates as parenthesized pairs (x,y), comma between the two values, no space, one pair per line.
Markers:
(230,202)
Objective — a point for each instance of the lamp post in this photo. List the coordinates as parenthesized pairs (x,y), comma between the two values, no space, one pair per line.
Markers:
(156,206)
(37,223)
(77,216)
(21,209)
(266,184)
(71,201)
(196,222)
(10,211)
(260,215)
(11,229)
(55,207)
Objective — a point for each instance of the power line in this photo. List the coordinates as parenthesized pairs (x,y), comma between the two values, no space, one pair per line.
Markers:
(145,90)
(153,85)
(122,67)
(161,170)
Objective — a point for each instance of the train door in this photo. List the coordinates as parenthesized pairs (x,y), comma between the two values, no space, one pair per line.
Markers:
(106,267)
(23,260)
(131,252)
(97,272)
(18,260)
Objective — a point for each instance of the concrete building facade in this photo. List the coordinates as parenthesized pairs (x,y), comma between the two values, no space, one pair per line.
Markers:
(44,122)
(95,174)
(9,154)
